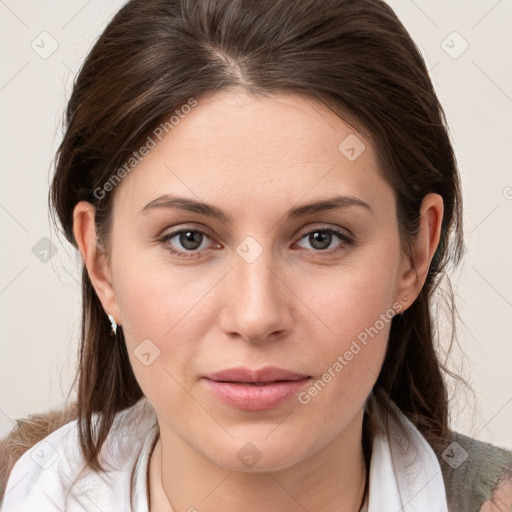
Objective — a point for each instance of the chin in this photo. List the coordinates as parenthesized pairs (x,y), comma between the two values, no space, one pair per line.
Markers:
(259,456)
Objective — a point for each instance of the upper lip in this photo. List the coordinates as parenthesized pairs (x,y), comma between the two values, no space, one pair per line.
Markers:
(266,374)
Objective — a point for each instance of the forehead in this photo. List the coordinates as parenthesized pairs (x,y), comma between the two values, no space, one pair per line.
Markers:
(237,148)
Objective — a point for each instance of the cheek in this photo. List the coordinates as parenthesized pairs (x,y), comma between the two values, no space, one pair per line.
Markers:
(351,358)
(354,298)
(161,332)
(163,316)
(349,361)
(154,296)
(356,312)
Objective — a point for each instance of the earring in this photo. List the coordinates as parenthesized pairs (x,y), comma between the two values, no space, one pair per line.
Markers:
(113,324)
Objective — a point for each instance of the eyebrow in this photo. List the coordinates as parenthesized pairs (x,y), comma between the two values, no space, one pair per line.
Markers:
(191,205)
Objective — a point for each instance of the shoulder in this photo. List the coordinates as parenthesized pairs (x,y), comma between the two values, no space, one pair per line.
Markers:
(26,434)
(477,475)
(41,466)
(53,474)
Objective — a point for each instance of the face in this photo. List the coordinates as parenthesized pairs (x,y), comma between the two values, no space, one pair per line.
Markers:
(311,292)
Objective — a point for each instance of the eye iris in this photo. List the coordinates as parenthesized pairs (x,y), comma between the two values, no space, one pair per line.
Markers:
(320,236)
(190,237)
(191,240)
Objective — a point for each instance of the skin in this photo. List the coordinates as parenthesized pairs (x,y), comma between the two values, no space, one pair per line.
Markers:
(293,306)
(501,499)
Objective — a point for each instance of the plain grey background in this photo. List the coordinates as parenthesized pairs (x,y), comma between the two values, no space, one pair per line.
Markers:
(467,46)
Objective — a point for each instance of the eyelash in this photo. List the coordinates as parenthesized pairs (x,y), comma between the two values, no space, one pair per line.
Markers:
(191,254)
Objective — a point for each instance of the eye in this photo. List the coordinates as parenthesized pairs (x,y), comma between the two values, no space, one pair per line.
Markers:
(321,239)
(189,239)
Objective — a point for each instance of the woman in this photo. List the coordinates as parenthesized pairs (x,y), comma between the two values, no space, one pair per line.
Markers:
(265,196)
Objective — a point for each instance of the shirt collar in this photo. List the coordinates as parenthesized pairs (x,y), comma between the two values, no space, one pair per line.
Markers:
(404,475)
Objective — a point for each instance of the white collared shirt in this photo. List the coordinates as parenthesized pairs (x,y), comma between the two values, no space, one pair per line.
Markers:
(52,476)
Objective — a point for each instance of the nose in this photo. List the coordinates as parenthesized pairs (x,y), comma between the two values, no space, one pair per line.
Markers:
(258,303)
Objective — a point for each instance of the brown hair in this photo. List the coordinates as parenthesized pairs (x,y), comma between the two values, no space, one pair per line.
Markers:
(355,56)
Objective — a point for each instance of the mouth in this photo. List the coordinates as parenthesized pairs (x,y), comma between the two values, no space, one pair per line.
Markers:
(260,376)
(255,390)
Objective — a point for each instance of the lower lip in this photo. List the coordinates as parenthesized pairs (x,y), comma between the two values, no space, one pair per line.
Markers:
(256,398)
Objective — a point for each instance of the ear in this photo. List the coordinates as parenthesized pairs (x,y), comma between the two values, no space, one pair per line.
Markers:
(413,273)
(95,260)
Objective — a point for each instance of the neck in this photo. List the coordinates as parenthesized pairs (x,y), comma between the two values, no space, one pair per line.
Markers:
(332,480)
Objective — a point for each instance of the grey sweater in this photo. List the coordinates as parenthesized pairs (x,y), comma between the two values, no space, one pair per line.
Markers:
(472,471)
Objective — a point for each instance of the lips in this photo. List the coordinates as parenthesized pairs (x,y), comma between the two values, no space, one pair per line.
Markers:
(255,390)
(261,376)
